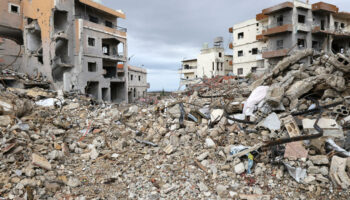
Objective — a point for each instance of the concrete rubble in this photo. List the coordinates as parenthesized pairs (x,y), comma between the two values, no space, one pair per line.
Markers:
(291,142)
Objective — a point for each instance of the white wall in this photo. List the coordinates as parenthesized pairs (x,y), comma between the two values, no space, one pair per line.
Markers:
(250,28)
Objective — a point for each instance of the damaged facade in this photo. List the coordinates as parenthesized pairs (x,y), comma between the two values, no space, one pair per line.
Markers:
(77,45)
(298,25)
(210,62)
(137,83)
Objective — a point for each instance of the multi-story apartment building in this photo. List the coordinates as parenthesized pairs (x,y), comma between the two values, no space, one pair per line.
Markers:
(287,27)
(76,44)
(209,63)
(137,83)
(298,25)
(247,46)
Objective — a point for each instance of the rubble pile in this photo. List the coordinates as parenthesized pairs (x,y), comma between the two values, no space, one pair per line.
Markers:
(12,78)
(286,136)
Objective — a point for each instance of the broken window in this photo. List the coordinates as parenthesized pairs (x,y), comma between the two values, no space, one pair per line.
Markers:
(92,67)
(110,71)
(301,19)
(104,94)
(240,53)
(342,25)
(240,71)
(255,51)
(60,20)
(315,45)
(93,19)
(105,49)
(240,35)
(280,20)
(220,55)
(92,89)
(336,25)
(109,24)
(14,8)
(322,25)
(91,42)
(279,44)
(301,43)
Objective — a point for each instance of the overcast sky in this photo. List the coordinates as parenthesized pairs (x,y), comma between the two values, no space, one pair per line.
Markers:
(163,32)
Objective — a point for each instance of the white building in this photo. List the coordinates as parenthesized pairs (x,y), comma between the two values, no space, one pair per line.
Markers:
(137,83)
(209,63)
(248,43)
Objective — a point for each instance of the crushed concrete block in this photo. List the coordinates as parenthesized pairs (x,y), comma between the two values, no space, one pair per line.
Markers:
(291,60)
(209,143)
(274,95)
(239,169)
(216,115)
(319,160)
(40,162)
(5,120)
(337,172)
(169,149)
(203,156)
(271,122)
(295,149)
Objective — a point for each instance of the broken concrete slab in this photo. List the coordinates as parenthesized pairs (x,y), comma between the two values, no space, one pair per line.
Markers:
(337,172)
(40,161)
(294,150)
(329,126)
(271,122)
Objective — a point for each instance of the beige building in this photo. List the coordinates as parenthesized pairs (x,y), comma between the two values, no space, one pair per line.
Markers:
(137,79)
(209,63)
(75,44)
(247,47)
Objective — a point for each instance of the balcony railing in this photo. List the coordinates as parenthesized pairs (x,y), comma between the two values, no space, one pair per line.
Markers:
(329,30)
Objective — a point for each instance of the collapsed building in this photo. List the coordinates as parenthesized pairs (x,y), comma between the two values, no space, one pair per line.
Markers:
(76,45)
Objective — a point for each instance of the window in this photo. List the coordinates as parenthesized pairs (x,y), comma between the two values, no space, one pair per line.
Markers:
(139,78)
(213,66)
(217,66)
(301,19)
(336,25)
(109,24)
(131,77)
(301,43)
(280,20)
(105,49)
(257,24)
(240,71)
(240,53)
(279,44)
(14,8)
(93,19)
(91,42)
(92,67)
(254,69)
(240,35)
(255,51)
(342,25)
(315,44)
(220,55)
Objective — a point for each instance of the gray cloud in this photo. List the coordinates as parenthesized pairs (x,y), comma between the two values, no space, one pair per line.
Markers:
(163,32)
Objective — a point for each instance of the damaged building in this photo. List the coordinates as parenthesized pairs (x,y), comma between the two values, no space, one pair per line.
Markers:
(211,62)
(77,45)
(137,83)
(293,26)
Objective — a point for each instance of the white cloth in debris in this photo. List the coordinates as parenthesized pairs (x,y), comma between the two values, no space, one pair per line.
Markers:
(254,99)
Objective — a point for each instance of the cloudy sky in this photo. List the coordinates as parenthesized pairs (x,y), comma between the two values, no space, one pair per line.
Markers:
(161,33)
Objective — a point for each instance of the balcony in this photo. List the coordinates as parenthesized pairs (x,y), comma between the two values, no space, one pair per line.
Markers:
(115,30)
(329,30)
(269,53)
(278,28)
(260,17)
(261,36)
(324,7)
(277,8)
(187,70)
